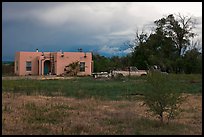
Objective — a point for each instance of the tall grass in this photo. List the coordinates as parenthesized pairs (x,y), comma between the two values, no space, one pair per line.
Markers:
(85,87)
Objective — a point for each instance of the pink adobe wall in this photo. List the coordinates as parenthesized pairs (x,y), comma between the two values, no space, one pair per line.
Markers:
(42,59)
(22,57)
(70,57)
(60,62)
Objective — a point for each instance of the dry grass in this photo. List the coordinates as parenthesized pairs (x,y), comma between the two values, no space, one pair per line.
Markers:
(49,77)
(60,115)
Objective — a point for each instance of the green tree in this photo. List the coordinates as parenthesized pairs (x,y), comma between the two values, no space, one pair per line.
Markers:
(126,61)
(165,46)
(180,29)
(192,61)
(140,57)
(141,52)
(8,69)
(162,50)
(101,63)
(161,97)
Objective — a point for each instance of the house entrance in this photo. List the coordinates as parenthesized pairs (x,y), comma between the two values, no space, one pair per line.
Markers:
(47,67)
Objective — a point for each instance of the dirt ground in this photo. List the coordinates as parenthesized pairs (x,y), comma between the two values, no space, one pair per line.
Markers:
(35,77)
(85,116)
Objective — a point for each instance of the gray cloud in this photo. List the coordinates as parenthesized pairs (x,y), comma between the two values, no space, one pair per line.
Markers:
(94,25)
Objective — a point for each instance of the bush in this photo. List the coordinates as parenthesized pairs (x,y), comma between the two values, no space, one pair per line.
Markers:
(72,69)
(119,76)
(161,99)
(8,69)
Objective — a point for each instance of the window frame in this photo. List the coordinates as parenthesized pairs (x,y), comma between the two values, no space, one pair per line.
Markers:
(82,67)
(28,66)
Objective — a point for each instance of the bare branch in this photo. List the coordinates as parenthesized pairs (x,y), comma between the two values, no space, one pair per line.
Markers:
(195,45)
(129,45)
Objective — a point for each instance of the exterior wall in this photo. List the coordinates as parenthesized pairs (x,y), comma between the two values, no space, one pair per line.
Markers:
(22,57)
(60,62)
(70,57)
(42,59)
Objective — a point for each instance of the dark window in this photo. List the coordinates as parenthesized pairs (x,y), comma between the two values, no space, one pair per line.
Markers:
(16,65)
(82,66)
(28,65)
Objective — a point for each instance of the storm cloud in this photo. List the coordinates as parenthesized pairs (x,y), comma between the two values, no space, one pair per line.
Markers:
(92,26)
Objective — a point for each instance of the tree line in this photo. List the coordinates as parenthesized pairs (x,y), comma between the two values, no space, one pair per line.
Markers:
(170,46)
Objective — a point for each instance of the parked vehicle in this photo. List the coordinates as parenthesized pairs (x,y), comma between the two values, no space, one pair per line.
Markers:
(132,71)
(101,75)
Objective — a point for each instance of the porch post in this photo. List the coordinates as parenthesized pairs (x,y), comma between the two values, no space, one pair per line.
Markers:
(39,65)
(42,68)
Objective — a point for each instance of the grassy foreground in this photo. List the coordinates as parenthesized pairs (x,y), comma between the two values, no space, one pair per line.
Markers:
(88,106)
(86,87)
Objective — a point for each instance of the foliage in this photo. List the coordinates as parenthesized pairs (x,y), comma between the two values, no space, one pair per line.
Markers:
(72,69)
(161,99)
(8,68)
(167,46)
(119,76)
(102,63)
(192,62)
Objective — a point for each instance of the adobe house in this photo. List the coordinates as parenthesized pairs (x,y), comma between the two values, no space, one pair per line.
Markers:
(44,63)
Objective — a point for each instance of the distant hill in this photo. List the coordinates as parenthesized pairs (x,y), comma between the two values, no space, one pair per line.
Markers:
(7,62)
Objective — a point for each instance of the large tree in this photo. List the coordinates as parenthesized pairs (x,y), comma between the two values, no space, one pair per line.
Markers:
(167,45)
(140,54)
(179,28)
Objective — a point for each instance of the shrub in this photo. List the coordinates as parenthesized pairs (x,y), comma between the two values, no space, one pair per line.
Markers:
(8,69)
(161,99)
(72,69)
(119,76)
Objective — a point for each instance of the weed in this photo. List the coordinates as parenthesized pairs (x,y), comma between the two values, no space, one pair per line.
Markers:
(43,114)
(6,108)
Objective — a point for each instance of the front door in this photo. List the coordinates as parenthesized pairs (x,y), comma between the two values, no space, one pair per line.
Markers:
(47,67)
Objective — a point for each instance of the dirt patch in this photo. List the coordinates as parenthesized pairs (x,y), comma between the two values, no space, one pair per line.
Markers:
(61,115)
(35,77)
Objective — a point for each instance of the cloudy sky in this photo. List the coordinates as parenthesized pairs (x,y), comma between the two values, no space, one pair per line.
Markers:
(92,26)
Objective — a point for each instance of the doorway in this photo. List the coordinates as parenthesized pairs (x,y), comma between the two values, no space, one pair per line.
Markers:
(47,67)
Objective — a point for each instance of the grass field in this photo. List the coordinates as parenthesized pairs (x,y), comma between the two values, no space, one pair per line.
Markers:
(84,105)
(86,87)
